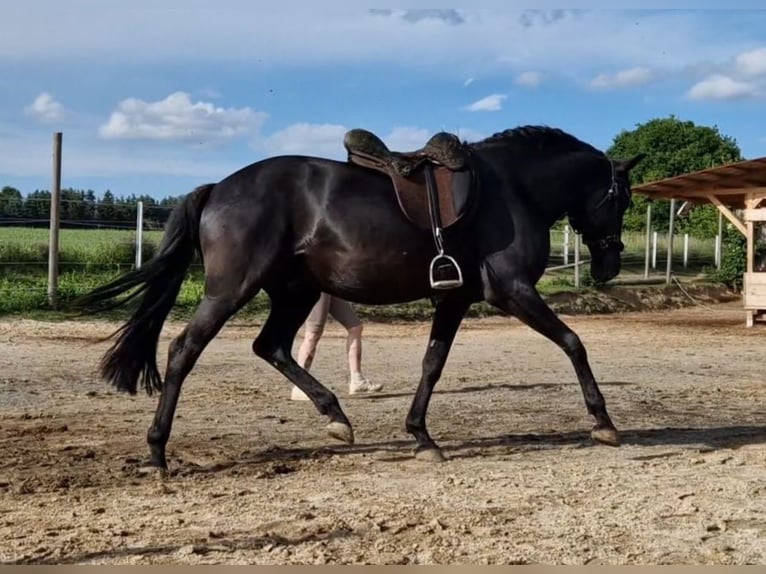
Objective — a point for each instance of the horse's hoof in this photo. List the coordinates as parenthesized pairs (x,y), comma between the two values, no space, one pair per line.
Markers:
(152,470)
(341,431)
(607,436)
(432,455)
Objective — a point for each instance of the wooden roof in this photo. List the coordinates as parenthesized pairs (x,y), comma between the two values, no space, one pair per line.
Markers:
(731,184)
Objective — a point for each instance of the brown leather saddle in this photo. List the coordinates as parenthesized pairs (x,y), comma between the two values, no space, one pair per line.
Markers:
(434,186)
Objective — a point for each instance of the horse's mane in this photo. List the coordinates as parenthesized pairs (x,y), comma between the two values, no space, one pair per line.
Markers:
(538,137)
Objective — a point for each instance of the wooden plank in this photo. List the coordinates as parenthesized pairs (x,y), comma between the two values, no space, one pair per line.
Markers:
(750,234)
(757,214)
(754,290)
(755,301)
(728,214)
(757,278)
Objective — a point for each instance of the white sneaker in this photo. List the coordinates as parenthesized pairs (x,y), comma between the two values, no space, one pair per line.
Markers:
(298,395)
(363,386)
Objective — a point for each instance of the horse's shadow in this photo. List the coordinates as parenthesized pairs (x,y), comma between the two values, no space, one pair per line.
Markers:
(285,460)
(704,438)
(488,387)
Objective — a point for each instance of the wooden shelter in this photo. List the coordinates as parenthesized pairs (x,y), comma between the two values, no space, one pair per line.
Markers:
(738,191)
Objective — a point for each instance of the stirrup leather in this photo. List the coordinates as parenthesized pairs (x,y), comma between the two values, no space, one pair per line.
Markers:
(449,274)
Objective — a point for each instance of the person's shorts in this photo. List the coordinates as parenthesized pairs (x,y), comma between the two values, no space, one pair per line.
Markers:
(341,311)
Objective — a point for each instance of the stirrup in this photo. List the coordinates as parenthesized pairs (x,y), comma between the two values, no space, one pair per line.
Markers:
(445,265)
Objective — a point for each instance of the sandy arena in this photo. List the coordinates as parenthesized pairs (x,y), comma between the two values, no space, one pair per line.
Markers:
(254,478)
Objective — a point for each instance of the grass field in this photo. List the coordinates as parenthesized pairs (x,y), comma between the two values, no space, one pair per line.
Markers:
(91,257)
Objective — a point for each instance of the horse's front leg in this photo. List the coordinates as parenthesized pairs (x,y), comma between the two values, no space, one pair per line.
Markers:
(522,300)
(447,317)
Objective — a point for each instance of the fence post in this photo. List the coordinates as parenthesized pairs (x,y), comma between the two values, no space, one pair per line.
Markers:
(566,245)
(686,249)
(53,241)
(139,232)
(654,250)
(669,267)
(715,252)
(577,261)
(719,241)
(648,234)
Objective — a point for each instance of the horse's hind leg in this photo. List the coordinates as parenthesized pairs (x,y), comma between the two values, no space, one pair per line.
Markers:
(289,310)
(522,300)
(183,353)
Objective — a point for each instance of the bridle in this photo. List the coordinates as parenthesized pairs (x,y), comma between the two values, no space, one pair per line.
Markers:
(611,197)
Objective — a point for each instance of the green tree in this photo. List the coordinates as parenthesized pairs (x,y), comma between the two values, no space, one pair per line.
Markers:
(106,208)
(673,147)
(37,204)
(11,201)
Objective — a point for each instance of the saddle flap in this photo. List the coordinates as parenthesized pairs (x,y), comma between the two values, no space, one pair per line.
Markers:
(453,189)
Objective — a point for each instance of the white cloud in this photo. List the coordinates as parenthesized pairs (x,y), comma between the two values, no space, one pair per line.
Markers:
(624,78)
(752,63)
(529,79)
(198,32)
(491,103)
(177,118)
(406,138)
(29,155)
(324,140)
(45,108)
(720,87)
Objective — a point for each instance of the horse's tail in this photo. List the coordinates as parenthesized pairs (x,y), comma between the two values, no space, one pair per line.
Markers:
(159,280)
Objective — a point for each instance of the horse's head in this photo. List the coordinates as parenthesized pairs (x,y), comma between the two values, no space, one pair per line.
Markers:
(599,217)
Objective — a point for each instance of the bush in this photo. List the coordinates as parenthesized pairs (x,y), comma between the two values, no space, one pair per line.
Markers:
(733,259)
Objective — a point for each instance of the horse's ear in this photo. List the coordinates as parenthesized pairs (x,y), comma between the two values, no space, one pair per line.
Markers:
(627,164)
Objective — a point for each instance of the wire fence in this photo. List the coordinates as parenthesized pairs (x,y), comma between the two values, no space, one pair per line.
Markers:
(98,247)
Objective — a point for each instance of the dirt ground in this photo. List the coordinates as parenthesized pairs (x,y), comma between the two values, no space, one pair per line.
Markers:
(254,478)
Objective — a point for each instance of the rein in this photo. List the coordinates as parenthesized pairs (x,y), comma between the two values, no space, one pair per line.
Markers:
(611,195)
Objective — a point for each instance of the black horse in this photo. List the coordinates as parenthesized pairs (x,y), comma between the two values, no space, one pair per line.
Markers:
(295,226)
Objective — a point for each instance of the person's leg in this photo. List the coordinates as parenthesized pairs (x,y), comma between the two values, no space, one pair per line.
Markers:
(312,332)
(343,312)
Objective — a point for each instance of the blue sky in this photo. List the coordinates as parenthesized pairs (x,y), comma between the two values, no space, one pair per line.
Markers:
(158,97)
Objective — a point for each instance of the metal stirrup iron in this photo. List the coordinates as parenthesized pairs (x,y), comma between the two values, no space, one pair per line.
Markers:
(450,275)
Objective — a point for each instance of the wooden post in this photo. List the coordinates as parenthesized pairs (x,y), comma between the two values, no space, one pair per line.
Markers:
(139,232)
(648,240)
(719,244)
(566,245)
(669,268)
(716,256)
(686,250)
(750,313)
(577,261)
(654,250)
(53,242)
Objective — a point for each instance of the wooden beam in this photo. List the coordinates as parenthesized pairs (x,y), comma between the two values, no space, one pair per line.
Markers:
(729,215)
(667,192)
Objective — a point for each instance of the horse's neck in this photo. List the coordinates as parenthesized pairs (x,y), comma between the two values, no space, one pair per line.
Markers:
(551,183)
